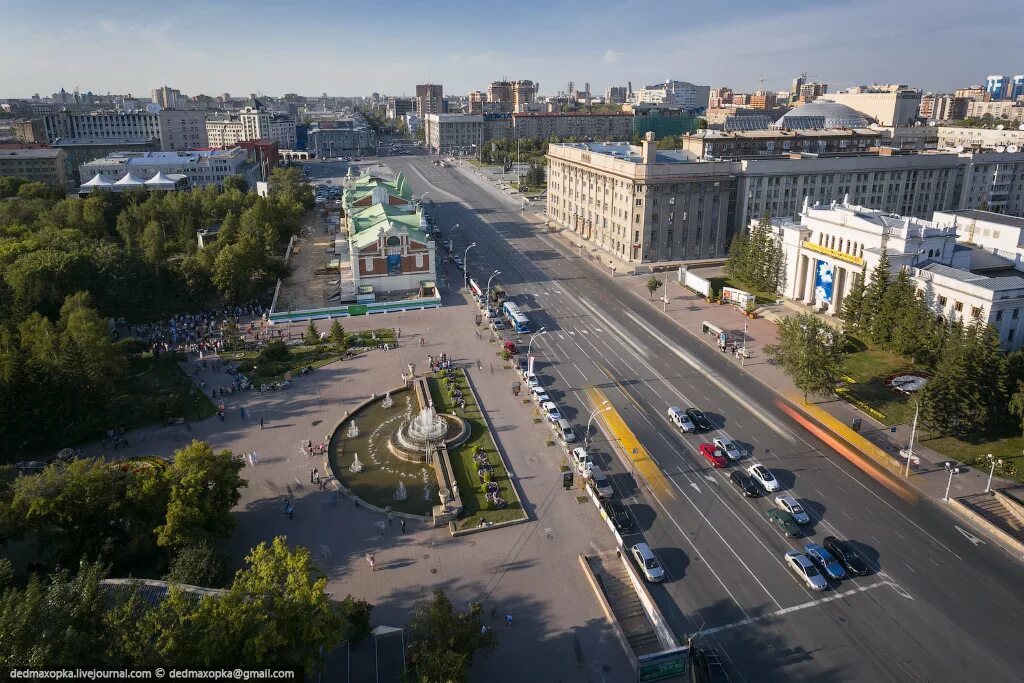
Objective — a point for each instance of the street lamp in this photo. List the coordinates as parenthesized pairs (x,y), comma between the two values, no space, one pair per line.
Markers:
(487,301)
(451,234)
(995,461)
(465,264)
(534,336)
(604,406)
(953,469)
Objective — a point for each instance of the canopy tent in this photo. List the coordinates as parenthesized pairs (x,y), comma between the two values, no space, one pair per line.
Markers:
(130,180)
(160,182)
(97,182)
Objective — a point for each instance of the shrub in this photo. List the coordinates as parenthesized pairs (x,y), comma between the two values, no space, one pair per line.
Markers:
(488,477)
(275,350)
(245,366)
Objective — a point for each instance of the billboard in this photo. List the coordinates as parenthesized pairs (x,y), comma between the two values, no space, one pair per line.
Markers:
(823,279)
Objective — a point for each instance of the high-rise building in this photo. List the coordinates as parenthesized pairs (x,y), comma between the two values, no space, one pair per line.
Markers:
(798,82)
(615,94)
(676,94)
(1016,86)
(975,92)
(523,93)
(996,86)
(762,100)
(399,107)
(429,99)
(809,92)
(499,91)
(168,97)
(475,102)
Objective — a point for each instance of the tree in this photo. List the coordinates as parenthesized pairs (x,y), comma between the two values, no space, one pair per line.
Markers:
(853,302)
(444,641)
(204,486)
(738,264)
(337,336)
(197,564)
(356,614)
(312,336)
(896,300)
(810,352)
(236,182)
(653,285)
(1016,405)
(875,292)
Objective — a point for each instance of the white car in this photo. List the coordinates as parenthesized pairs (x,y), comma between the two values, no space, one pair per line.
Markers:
(551,411)
(679,418)
(729,447)
(789,504)
(532,380)
(541,395)
(582,460)
(763,476)
(805,571)
(648,563)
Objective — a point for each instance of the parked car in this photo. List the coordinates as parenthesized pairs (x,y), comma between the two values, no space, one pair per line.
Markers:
(581,460)
(458,262)
(763,476)
(523,364)
(744,484)
(510,346)
(599,482)
(699,420)
(678,417)
(846,555)
(713,455)
(540,395)
(532,380)
(620,519)
(785,522)
(805,571)
(647,562)
(729,447)
(550,411)
(826,563)
(792,506)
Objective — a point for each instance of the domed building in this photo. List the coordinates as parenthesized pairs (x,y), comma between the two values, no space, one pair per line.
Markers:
(821,115)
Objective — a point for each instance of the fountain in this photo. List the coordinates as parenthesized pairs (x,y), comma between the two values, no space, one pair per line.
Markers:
(388,402)
(356,467)
(353,431)
(400,492)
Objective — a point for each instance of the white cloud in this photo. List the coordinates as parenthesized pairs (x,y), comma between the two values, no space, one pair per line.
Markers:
(611,56)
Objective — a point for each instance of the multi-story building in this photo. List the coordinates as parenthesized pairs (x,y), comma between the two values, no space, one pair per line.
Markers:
(224,133)
(201,167)
(943,107)
(974,92)
(597,126)
(1004,109)
(38,164)
(715,144)
(83,150)
(676,94)
(499,91)
(827,250)
(453,133)
(429,99)
(175,129)
(340,137)
(168,97)
(581,176)
(1008,140)
(1016,87)
(524,93)
(29,130)
(997,86)
(399,107)
(475,104)
(762,100)
(253,122)
(615,94)
(887,105)
(809,92)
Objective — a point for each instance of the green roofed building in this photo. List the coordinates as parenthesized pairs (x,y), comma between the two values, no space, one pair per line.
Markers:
(389,245)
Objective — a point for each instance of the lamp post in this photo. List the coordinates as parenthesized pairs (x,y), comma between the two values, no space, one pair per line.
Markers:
(465,264)
(586,436)
(953,469)
(995,461)
(913,433)
(487,300)
(534,336)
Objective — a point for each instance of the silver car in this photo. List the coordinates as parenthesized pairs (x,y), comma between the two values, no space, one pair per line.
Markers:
(805,571)
(792,506)
(648,563)
(729,447)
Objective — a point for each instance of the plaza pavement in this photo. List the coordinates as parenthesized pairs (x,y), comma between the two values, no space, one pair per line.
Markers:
(529,570)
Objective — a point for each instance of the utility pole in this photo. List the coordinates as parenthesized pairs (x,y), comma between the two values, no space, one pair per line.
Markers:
(913,432)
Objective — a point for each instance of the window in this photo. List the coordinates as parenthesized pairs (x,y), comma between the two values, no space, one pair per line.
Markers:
(999,315)
(958,306)
(1016,313)
(942,301)
(1009,335)
(976,312)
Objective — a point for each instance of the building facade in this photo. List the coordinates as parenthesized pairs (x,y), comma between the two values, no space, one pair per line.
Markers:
(950,137)
(429,99)
(896,106)
(943,107)
(707,144)
(37,164)
(175,129)
(615,94)
(453,133)
(84,150)
(678,94)
(542,125)
(327,139)
(1012,111)
(201,167)
(399,107)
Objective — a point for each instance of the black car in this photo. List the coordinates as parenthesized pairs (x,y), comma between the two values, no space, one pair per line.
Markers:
(744,484)
(699,420)
(847,556)
(621,520)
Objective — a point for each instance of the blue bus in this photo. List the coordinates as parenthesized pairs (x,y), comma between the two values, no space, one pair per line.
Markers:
(519,322)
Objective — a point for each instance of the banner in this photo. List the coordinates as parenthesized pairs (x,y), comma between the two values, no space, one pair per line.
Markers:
(823,283)
(736,296)
(529,366)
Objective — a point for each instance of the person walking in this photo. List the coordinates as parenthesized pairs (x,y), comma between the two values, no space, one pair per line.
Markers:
(373,563)
(508,620)
(402,522)
(390,517)
(289,509)
(261,423)
(255,457)
(311,476)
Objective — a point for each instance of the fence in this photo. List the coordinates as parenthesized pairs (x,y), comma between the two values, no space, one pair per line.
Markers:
(694,281)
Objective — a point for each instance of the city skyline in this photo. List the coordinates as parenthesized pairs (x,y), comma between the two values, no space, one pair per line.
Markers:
(454,44)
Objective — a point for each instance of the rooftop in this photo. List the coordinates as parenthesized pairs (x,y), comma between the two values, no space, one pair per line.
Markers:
(76,142)
(830,115)
(995,284)
(166,158)
(988,217)
(33,153)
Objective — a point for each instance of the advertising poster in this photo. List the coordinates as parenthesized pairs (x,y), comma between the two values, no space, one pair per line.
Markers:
(823,283)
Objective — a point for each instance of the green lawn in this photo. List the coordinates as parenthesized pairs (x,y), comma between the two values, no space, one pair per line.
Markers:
(154,390)
(474,501)
(869,368)
(728,281)
(305,356)
(1005,444)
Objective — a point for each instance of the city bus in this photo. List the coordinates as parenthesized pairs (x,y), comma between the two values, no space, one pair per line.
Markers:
(478,292)
(519,322)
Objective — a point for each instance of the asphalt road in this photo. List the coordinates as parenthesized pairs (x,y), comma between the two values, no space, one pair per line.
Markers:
(940,604)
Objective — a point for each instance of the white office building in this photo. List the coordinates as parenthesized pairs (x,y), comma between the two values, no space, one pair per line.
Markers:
(673,94)
(175,129)
(827,249)
(201,167)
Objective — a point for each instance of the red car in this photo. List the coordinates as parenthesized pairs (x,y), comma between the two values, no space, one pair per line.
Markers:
(510,347)
(713,455)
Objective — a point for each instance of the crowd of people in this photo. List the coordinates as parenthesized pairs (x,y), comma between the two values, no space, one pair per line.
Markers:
(195,333)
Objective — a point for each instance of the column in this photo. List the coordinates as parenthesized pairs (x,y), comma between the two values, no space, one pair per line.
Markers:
(812,271)
(838,285)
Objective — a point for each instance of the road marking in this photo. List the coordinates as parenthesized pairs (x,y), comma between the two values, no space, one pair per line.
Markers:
(969,536)
(909,567)
(695,487)
(818,491)
(710,478)
(795,608)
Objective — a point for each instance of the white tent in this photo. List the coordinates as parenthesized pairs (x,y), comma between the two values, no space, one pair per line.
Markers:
(130,180)
(98,182)
(160,182)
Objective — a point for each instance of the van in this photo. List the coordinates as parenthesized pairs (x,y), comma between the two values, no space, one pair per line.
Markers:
(599,482)
(565,431)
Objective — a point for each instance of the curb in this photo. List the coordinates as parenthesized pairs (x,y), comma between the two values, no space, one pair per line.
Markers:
(1001,538)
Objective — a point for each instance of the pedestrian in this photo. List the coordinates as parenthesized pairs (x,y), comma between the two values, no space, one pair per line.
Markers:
(390,517)
(483,630)
(289,509)
(373,563)
(255,457)
(252,463)
(261,423)
(311,476)
(402,522)
(399,332)
(508,620)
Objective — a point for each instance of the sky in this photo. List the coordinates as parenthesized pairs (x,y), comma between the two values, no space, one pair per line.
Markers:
(356,48)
